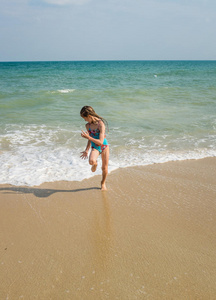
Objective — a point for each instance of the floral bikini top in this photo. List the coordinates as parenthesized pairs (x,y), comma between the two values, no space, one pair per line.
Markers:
(95,133)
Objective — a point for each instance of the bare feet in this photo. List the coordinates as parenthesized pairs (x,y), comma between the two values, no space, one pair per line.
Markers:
(103,187)
(94,167)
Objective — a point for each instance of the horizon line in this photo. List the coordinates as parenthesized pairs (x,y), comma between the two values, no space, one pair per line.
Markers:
(103,60)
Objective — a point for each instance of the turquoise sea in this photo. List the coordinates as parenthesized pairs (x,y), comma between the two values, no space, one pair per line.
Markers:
(157,111)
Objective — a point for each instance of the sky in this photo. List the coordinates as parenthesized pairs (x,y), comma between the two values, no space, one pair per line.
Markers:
(47,30)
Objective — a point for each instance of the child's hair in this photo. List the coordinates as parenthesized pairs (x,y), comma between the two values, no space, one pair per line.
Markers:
(88,110)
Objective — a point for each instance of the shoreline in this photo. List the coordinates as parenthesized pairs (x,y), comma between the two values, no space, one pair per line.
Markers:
(110,172)
(152,235)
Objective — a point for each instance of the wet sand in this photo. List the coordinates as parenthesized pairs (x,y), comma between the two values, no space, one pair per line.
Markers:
(152,235)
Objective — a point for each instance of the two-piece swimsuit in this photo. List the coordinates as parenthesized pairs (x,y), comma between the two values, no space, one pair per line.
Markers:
(95,134)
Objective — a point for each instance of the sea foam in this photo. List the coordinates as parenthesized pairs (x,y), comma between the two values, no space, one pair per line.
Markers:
(65,91)
(35,154)
(32,165)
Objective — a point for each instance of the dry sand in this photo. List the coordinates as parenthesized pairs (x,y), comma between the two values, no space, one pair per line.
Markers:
(152,235)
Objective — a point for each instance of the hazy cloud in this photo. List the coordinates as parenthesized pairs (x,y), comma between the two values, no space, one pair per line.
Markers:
(107,29)
(66,2)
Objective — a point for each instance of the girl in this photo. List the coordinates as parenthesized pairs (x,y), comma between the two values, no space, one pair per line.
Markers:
(96,137)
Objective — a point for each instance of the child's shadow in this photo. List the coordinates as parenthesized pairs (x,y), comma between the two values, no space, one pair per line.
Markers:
(41,193)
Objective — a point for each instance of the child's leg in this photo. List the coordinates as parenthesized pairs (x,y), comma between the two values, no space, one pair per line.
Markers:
(105,161)
(93,159)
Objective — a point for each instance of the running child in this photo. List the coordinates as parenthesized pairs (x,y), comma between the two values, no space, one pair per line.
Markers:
(97,141)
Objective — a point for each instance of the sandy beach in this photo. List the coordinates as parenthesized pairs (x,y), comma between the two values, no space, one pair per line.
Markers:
(152,235)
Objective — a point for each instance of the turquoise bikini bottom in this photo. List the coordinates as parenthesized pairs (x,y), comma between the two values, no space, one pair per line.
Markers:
(100,148)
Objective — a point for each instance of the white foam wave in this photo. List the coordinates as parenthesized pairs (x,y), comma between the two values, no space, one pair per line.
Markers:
(34,154)
(31,166)
(65,91)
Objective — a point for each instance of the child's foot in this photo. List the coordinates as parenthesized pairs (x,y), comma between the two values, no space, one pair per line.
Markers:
(103,187)
(94,167)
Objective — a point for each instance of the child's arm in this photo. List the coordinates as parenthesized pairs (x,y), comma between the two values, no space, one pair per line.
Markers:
(84,154)
(99,141)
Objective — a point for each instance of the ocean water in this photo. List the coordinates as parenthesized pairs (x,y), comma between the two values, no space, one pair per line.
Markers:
(157,111)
